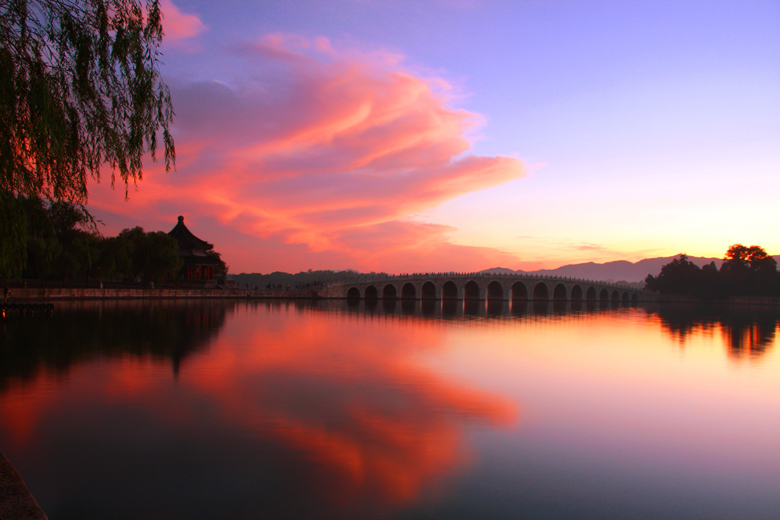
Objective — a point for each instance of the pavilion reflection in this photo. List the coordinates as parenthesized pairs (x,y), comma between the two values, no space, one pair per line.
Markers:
(77,332)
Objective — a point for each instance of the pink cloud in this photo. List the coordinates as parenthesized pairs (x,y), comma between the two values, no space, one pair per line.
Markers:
(321,153)
(178,25)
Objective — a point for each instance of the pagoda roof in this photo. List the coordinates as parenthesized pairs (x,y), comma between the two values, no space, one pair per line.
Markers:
(186,239)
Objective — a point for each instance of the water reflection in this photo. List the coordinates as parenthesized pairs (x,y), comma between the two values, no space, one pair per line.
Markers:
(280,411)
(461,308)
(748,331)
(77,332)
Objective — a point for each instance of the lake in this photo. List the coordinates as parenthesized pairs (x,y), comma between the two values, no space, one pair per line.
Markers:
(274,409)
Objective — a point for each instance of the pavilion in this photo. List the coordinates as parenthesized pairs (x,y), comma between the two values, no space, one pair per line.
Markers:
(197,256)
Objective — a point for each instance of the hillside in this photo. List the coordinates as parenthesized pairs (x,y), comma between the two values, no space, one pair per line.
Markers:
(621,270)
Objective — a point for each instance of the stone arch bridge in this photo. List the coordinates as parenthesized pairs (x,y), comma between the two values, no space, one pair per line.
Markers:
(484,286)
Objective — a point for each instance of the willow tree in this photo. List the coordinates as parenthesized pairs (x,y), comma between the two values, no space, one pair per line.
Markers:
(80,94)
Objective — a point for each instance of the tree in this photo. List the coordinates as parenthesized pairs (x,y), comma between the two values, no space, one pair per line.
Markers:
(680,276)
(78,256)
(114,262)
(76,250)
(220,267)
(162,257)
(748,270)
(134,243)
(43,244)
(80,91)
(13,236)
(711,286)
(153,256)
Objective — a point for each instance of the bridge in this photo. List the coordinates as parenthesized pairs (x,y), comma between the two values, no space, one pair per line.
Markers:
(484,286)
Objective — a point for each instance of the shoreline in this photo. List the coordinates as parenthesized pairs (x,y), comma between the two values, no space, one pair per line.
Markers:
(27,294)
(16,501)
(52,293)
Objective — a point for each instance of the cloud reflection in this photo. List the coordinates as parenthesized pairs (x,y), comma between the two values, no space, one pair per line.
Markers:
(378,423)
(323,407)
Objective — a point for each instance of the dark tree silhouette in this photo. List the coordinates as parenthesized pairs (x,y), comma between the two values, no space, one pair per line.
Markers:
(680,276)
(746,271)
(153,255)
(60,246)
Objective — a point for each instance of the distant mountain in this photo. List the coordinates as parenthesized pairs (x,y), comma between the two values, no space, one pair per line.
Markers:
(621,270)
(500,270)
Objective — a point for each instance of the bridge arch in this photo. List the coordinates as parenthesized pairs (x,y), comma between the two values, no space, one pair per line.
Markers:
(495,291)
(519,291)
(490,287)
(389,292)
(541,292)
(449,291)
(471,290)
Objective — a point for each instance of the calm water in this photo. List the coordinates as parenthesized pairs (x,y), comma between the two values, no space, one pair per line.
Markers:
(201,410)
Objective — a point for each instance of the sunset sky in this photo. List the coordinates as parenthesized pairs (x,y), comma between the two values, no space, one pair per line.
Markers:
(440,135)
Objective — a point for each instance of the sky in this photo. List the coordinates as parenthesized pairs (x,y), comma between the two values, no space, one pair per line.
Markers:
(417,136)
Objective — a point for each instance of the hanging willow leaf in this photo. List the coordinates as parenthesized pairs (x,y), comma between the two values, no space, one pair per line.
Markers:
(80,94)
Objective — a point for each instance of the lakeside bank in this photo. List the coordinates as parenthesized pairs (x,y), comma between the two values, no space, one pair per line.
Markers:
(33,294)
(16,501)
(55,293)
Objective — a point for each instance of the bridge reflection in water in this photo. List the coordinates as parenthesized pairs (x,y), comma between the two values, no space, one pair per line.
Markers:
(462,308)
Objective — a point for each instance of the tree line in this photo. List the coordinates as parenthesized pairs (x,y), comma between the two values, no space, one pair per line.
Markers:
(746,271)
(60,242)
(301,280)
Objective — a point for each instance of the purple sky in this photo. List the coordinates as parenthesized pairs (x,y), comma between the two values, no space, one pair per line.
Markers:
(430,135)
